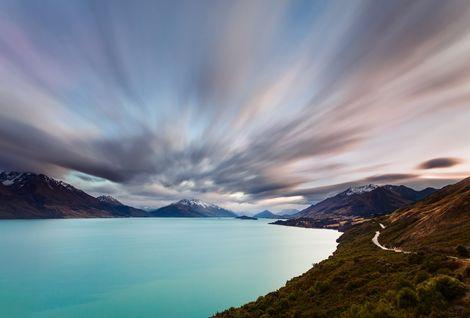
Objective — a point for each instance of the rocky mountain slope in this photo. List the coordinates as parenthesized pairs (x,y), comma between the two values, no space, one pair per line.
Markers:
(441,221)
(37,196)
(191,208)
(370,200)
(355,205)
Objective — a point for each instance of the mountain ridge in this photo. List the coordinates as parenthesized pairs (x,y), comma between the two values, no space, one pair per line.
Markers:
(26,195)
(266,214)
(436,222)
(191,208)
(356,205)
(365,201)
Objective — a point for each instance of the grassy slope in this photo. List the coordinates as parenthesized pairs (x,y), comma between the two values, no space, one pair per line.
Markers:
(360,280)
(440,222)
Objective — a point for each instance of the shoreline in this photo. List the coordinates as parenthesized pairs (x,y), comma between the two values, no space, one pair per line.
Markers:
(327,224)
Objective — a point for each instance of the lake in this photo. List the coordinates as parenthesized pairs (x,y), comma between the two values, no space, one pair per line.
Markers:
(148,267)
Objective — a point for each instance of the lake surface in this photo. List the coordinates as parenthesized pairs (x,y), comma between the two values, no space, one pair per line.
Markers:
(148,267)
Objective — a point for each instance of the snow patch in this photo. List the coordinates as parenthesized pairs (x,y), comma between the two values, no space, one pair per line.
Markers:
(10,178)
(196,203)
(108,199)
(19,179)
(361,189)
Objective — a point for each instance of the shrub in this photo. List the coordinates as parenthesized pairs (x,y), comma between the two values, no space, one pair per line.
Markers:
(444,271)
(420,277)
(462,251)
(441,287)
(416,258)
(380,309)
(402,283)
(406,298)
(292,297)
(320,286)
(296,314)
(354,283)
(450,287)
(271,311)
(428,299)
(431,264)
(283,304)
(312,291)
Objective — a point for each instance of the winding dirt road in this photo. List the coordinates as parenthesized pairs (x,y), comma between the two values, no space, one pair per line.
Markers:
(375,240)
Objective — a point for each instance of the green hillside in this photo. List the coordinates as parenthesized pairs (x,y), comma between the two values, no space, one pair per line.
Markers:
(362,280)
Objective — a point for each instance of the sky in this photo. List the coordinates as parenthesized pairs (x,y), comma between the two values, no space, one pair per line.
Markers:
(247,104)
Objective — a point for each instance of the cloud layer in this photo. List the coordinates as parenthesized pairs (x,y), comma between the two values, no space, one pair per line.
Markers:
(248,104)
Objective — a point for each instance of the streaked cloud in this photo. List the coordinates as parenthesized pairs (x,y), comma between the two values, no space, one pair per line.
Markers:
(248,104)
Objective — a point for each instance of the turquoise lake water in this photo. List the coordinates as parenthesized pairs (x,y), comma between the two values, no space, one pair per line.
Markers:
(148,267)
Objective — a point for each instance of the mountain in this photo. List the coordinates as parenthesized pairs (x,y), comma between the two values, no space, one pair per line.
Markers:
(36,196)
(439,222)
(365,201)
(288,212)
(109,199)
(192,208)
(430,279)
(266,214)
(118,209)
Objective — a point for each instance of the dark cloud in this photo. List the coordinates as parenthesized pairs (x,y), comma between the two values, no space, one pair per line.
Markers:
(440,163)
(20,140)
(392,177)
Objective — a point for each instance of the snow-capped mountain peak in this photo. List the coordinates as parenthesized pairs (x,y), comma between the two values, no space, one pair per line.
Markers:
(361,189)
(196,203)
(19,179)
(192,208)
(109,199)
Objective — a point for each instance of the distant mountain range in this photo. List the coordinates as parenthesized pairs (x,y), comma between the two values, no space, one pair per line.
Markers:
(266,214)
(191,208)
(30,195)
(356,204)
(37,196)
(287,212)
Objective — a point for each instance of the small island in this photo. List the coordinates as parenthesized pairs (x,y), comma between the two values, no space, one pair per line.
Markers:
(245,217)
